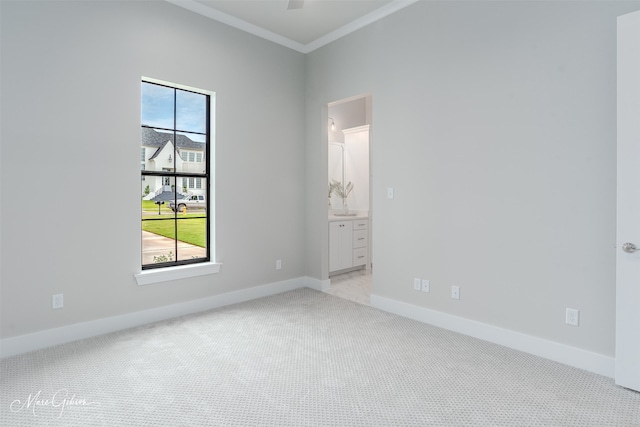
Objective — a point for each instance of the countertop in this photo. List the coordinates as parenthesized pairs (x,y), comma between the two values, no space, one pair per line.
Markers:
(358,215)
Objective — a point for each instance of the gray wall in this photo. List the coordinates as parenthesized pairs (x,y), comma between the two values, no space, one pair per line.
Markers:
(495,122)
(70,155)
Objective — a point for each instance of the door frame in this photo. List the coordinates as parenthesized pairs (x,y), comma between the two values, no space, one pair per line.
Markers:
(368,97)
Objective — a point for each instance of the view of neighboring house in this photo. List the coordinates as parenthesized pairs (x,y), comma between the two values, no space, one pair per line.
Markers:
(159,153)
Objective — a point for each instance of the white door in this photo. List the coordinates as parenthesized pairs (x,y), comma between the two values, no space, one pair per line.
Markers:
(627,371)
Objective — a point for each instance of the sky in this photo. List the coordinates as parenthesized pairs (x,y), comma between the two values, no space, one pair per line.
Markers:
(157,108)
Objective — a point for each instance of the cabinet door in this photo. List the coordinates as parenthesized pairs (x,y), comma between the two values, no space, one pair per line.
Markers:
(340,245)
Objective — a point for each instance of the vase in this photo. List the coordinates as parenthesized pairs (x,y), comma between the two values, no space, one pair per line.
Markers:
(345,207)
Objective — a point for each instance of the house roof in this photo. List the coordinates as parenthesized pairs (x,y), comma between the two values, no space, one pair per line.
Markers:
(153,138)
(159,150)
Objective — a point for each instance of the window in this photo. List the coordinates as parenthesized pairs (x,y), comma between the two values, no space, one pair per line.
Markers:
(191,156)
(175,218)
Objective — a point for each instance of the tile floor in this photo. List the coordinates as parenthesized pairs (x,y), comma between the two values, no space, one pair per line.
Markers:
(354,286)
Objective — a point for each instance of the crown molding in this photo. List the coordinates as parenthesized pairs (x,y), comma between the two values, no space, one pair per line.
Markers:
(367,19)
(245,26)
(237,23)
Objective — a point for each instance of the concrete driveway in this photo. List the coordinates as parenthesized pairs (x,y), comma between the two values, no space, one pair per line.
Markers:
(156,245)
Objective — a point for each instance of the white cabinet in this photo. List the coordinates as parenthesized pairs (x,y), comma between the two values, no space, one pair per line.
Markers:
(340,245)
(348,244)
(360,242)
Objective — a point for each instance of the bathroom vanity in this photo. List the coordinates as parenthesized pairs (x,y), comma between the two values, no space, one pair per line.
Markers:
(348,243)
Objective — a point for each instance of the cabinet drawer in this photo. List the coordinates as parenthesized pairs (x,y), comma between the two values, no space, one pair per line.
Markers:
(360,224)
(359,256)
(360,238)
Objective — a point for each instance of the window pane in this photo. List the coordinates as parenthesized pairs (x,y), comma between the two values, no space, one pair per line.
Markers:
(157,106)
(192,236)
(193,147)
(158,148)
(157,187)
(194,199)
(158,196)
(158,220)
(191,110)
(157,248)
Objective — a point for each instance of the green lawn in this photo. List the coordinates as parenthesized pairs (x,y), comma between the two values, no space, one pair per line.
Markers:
(191,230)
(191,226)
(150,206)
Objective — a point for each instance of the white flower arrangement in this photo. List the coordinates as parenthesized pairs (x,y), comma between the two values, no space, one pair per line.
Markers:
(342,192)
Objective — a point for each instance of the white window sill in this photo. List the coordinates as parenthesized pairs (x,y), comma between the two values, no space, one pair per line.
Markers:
(148,277)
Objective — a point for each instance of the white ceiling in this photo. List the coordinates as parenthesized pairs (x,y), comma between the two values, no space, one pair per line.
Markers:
(318,22)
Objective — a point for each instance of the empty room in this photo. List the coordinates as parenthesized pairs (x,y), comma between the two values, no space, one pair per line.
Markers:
(169,255)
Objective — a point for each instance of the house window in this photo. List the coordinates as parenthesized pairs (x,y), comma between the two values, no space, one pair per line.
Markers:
(191,156)
(175,225)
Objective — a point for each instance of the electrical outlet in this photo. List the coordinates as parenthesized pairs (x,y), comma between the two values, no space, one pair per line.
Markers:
(572,317)
(278,264)
(425,285)
(57,301)
(455,292)
(416,284)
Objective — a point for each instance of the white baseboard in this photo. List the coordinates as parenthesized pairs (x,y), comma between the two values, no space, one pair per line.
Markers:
(572,356)
(317,284)
(583,359)
(50,337)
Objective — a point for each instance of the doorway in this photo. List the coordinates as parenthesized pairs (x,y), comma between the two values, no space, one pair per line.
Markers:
(350,207)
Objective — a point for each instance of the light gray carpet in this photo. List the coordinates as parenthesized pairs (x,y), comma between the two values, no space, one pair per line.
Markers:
(301,358)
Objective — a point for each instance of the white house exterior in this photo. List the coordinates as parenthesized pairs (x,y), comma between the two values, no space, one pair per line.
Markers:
(158,153)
